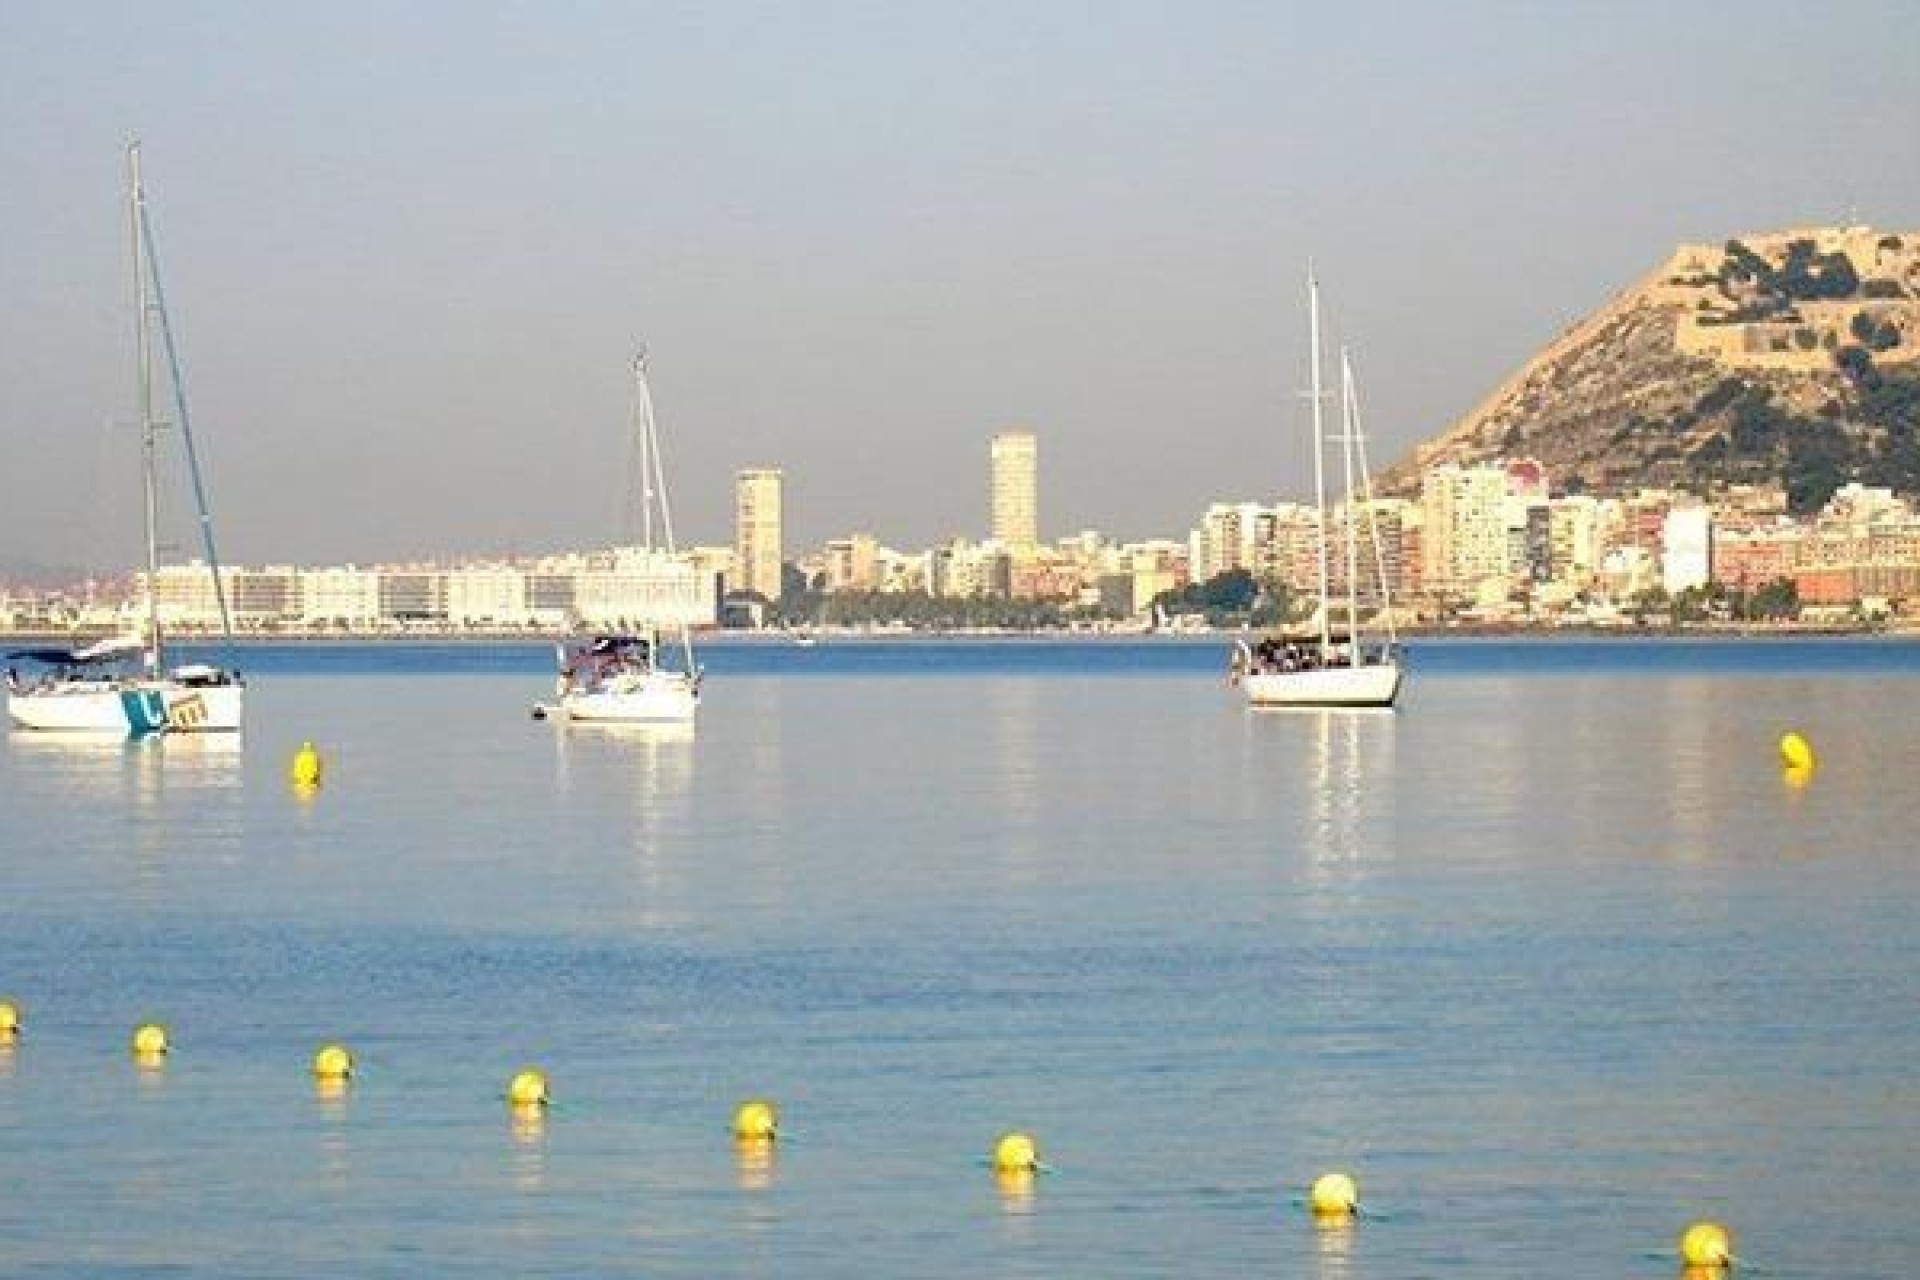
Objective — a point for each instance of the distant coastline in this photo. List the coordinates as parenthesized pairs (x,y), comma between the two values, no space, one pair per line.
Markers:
(17,639)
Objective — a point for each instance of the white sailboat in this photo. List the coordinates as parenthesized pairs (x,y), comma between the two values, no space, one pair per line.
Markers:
(649,677)
(123,684)
(1331,663)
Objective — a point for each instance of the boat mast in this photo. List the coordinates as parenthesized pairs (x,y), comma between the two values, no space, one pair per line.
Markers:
(654,483)
(1319,448)
(643,437)
(1373,522)
(136,217)
(152,304)
(1348,428)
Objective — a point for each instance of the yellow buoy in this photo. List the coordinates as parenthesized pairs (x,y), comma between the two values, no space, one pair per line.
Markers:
(1014,1153)
(528,1089)
(305,771)
(1334,1193)
(1795,751)
(333,1062)
(757,1120)
(150,1040)
(10,1020)
(1706,1244)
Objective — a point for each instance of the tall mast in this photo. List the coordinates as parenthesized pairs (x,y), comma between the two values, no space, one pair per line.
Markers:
(654,483)
(1349,428)
(1319,447)
(142,305)
(643,434)
(1373,522)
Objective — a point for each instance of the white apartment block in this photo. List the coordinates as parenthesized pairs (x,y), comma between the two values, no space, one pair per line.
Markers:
(1465,528)
(1687,541)
(623,586)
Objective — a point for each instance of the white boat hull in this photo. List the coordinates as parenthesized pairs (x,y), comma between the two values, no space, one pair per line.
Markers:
(1376,685)
(129,707)
(660,697)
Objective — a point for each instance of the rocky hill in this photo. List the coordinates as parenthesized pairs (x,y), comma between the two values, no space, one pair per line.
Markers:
(1786,357)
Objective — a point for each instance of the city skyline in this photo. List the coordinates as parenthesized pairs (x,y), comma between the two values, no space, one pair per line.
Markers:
(409,251)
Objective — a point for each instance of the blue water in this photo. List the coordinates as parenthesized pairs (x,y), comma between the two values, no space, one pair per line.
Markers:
(1553,960)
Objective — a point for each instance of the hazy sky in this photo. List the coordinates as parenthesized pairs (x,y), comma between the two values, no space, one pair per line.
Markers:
(410,246)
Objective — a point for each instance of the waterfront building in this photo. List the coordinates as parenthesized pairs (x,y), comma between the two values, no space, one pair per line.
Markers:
(1015,491)
(640,587)
(344,597)
(1232,535)
(486,595)
(1465,528)
(962,569)
(1573,533)
(757,552)
(413,596)
(852,563)
(185,595)
(1686,541)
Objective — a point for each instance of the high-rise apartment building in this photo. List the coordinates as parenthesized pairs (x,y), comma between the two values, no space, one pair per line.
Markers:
(1016,490)
(756,531)
(1465,540)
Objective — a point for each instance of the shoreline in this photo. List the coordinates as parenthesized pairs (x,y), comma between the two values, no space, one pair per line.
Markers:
(718,638)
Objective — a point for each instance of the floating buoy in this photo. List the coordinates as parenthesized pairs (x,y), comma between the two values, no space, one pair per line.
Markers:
(1015,1153)
(1796,779)
(1706,1244)
(1334,1194)
(1796,752)
(150,1040)
(10,1021)
(528,1089)
(305,770)
(333,1062)
(756,1121)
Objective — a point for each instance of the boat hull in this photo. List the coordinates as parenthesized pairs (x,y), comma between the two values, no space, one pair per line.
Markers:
(659,698)
(135,707)
(1376,685)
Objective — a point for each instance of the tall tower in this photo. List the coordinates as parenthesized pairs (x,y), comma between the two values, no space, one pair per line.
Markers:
(1015,493)
(756,531)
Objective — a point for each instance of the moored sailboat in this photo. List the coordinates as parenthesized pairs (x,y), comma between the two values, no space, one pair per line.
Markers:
(1332,663)
(123,684)
(648,677)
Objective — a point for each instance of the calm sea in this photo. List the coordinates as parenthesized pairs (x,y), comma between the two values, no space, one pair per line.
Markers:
(1553,960)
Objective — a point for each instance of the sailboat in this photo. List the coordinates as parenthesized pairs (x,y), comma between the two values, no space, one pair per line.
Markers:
(123,684)
(1331,663)
(649,677)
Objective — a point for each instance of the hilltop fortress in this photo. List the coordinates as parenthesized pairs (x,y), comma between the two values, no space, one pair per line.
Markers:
(1705,370)
(1791,299)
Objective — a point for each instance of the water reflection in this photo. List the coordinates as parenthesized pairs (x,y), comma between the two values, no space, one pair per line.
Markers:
(1013,711)
(653,762)
(106,767)
(1347,778)
(754,1163)
(1016,1190)
(330,1095)
(1332,1246)
(527,1123)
